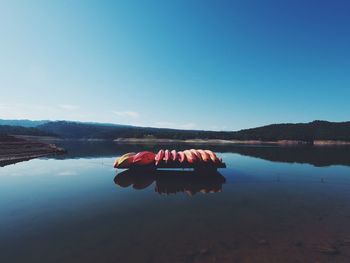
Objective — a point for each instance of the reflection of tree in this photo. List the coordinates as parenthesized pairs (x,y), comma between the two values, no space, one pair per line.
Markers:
(319,156)
(172,181)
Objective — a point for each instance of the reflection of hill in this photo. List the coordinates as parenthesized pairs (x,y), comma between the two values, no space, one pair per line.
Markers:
(318,156)
(173,181)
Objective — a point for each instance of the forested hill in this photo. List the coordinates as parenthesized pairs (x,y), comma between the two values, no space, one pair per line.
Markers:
(20,130)
(308,132)
(72,130)
(316,130)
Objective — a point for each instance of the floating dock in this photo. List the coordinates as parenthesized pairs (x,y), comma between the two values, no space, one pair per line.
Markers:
(173,165)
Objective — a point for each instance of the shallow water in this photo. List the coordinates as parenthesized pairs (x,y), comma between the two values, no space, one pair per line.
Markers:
(268,205)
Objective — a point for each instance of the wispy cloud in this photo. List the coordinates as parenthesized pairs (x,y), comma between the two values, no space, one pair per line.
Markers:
(131,114)
(218,128)
(66,173)
(172,125)
(3,106)
(188,126)
(21,110)
(12,106)
(68,107)
(164,124)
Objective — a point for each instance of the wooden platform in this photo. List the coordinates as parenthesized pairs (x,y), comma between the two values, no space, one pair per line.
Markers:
(172,165)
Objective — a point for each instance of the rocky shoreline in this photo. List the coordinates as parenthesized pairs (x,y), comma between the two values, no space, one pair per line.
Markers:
(14,150)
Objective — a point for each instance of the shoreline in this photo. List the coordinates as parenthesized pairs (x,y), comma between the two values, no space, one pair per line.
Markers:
(316,143)
(14,149)
(232,142)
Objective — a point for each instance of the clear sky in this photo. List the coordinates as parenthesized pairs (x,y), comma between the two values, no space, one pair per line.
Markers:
(220,65)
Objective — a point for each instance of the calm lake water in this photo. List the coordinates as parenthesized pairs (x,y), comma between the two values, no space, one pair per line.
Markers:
(270,204)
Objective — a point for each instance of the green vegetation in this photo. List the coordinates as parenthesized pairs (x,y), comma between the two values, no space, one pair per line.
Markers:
(306,132)
(316,130)
(19,130)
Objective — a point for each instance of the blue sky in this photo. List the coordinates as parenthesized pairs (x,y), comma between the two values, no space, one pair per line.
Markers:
(218,65)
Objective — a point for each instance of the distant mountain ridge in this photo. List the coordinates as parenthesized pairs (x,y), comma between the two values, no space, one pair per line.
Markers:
(22,123)
(305,132)
(31,123)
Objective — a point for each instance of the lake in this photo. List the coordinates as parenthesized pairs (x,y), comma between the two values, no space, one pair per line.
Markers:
(270,204)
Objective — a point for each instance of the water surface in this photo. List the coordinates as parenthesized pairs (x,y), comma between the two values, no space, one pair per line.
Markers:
(269,205)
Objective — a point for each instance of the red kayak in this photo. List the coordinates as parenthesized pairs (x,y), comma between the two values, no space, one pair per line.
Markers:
(144,158)
(170,159)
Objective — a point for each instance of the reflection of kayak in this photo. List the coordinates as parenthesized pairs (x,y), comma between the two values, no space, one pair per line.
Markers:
(197,159)
(171,182)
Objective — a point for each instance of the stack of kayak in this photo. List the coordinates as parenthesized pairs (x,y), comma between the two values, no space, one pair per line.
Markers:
(170,159)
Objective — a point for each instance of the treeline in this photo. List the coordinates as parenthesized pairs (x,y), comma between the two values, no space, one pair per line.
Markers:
(307,132)
(75,130)
(19,130)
